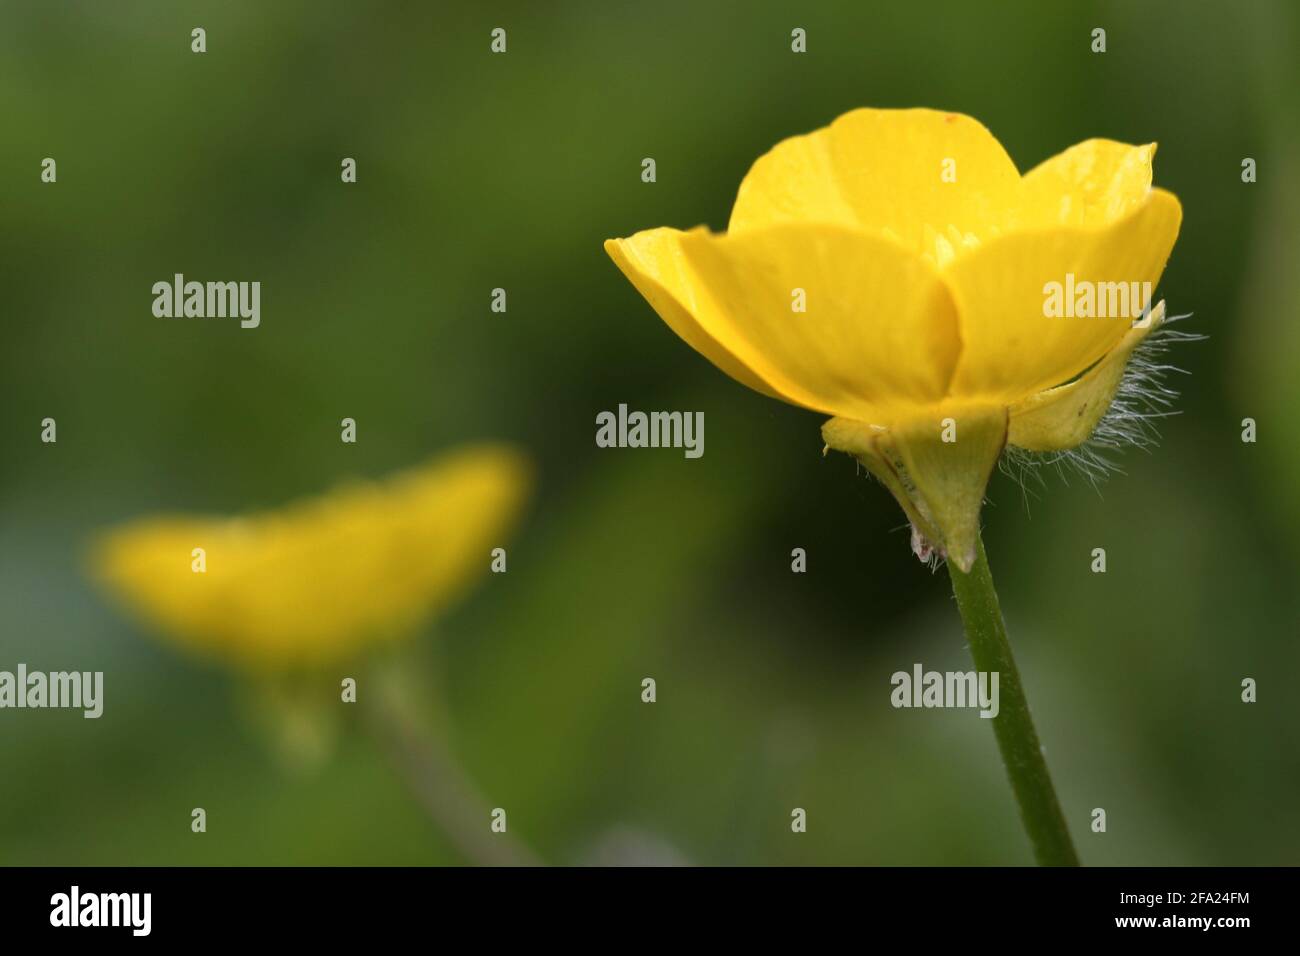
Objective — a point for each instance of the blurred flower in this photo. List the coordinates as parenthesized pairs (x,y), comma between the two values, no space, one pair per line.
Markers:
(892,270)
(321,579)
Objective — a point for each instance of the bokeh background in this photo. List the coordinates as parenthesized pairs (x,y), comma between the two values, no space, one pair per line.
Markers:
(478,171)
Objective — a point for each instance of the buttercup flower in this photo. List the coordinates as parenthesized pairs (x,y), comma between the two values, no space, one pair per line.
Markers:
(896,272)
(319,580)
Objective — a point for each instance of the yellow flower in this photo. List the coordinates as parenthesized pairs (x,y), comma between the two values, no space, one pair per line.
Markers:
(318,580)
(894,270)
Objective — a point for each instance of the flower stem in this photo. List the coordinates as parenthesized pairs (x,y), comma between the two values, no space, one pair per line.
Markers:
(1040,811)
(436,780)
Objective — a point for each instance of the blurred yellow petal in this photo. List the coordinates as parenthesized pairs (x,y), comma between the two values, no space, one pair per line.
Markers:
(1092,183)
(923,177)
(1063,417)
(1012,349)
(878,329)
(318,580)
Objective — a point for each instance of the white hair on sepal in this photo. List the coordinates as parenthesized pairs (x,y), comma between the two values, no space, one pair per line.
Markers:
(1143,397)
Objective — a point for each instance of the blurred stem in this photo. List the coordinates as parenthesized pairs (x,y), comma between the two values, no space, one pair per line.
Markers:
(432,774)
(1040,811)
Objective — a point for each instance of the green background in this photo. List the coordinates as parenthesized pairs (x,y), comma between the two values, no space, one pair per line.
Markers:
(478,171)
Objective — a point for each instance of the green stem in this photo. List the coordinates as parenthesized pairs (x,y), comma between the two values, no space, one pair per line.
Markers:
(1040,811)
(425,763)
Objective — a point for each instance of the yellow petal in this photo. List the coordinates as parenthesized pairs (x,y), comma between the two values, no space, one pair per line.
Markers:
(879,330)
(316,581)
(1011,348)
(1063,417)
(920,176)
(654,263)
(1092,183)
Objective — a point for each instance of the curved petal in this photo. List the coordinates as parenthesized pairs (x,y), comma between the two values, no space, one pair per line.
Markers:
(654,263)
(317,580)
(879,329)
(1092,183)
(921,176)
(1013,343)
